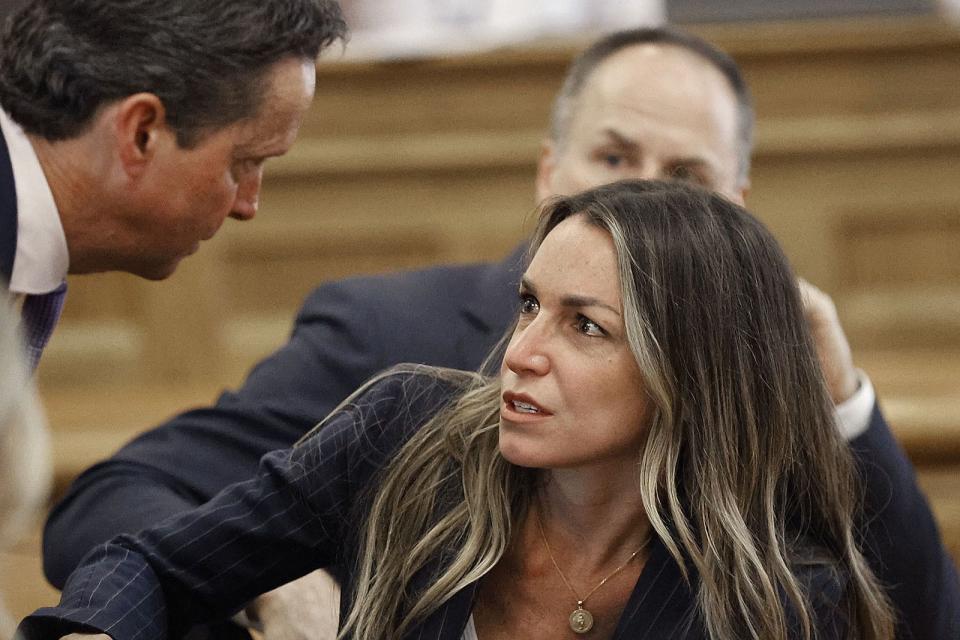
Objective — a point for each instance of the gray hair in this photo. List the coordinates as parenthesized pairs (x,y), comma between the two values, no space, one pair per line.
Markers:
(583,66)
(207,60)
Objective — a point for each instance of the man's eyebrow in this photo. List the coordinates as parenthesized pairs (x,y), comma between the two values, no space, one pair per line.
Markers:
(570,300)
(256,149)
(689,161)
(245,149)
(621,139)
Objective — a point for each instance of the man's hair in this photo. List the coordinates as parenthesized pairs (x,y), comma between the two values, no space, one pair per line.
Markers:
(207,60)
(583,66)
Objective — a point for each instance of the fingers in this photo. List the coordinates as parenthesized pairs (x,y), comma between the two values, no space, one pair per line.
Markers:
(833,349)
(306,609)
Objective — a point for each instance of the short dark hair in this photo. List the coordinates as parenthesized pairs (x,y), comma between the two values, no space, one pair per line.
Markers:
(207,60)
(584,64)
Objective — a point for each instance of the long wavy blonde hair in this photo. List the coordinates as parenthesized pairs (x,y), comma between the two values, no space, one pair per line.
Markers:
(744,476)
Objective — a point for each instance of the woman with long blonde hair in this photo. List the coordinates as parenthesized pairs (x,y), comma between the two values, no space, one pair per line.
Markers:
(657,458)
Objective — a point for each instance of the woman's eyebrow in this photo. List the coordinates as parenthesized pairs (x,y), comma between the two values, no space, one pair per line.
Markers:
(569,300)
(578,301)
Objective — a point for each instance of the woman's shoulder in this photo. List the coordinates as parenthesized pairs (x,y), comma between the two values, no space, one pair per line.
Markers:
(387,410)
(413,389)
(824,583)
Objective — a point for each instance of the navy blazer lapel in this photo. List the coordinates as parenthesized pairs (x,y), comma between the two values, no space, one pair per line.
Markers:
(662,604)
(449,621)
(8,213)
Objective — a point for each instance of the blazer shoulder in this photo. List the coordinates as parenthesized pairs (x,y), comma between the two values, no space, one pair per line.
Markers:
(405,286)
(405,392)
(825,585)
(445,315)
(370,426)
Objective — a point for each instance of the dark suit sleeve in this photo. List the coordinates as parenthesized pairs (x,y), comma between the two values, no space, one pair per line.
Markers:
(901,541)
(333,349)
(291,518)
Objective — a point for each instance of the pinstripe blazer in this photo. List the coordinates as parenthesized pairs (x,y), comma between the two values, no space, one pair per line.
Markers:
(301,513)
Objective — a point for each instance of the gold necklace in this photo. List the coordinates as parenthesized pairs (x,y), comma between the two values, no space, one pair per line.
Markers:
(581,620)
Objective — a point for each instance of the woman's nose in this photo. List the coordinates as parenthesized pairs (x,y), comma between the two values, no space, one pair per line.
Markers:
(527,351)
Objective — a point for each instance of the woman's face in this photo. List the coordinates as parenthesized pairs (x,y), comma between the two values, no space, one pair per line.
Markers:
(573,395)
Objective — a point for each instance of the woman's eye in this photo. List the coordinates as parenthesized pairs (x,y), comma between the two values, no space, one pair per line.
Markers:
(528,304)
(588,327)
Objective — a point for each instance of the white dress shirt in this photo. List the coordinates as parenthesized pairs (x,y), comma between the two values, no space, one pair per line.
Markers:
(42,259)
(853,414)
(470,632)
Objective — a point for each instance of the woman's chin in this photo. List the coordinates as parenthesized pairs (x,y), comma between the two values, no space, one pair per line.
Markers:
(522,452)
(516,453)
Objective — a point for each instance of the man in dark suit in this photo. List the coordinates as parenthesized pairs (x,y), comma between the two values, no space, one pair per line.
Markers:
(649,103)
(130,131)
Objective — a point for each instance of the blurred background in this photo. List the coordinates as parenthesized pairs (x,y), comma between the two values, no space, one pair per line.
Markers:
(421,148)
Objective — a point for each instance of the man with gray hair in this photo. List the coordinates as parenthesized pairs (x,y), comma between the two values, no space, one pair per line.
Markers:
(649,103)
(129,131)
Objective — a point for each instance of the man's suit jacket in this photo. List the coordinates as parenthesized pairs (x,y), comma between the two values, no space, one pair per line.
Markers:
(301,512)
(8,213)
(448,316)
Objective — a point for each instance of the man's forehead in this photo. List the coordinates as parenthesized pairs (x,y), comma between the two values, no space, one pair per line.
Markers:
(287,96)
(655,75)
(666,96)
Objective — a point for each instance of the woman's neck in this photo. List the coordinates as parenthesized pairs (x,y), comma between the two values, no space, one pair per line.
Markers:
(594,519)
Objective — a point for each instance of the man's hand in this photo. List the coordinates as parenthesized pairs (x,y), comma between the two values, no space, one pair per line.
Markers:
(306,609)
(833,349)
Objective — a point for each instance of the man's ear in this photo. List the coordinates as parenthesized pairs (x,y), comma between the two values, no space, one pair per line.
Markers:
(546,164)
(740,193)
(139,121)
(744,191)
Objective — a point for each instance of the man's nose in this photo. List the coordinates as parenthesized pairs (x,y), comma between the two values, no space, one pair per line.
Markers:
(650,169)
(248,195)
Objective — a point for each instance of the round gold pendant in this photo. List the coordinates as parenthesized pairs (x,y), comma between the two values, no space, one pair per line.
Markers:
(581,620)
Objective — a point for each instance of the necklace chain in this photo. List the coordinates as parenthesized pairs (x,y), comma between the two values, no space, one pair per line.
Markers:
(581,601)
